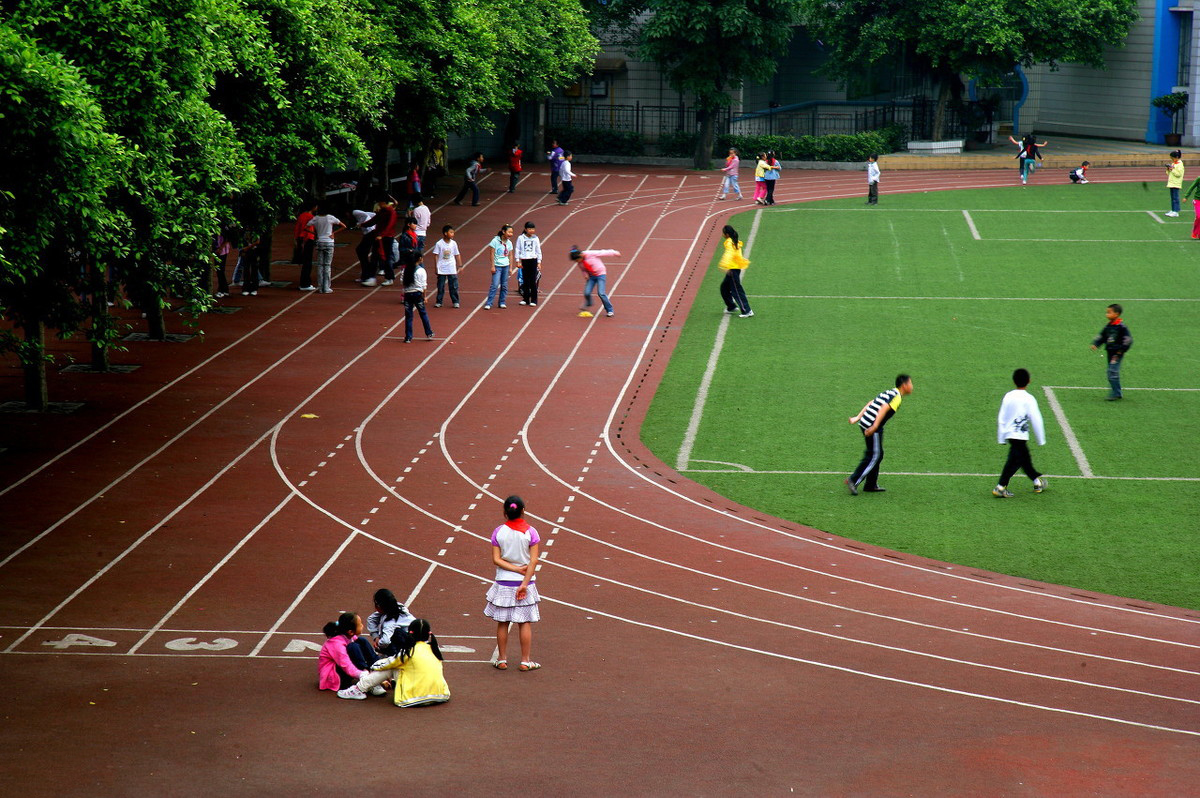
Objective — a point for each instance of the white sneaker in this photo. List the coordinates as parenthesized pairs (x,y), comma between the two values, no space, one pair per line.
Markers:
(487,307)
(371,283)
(1039,484)
(746,315)
(378,689)
(1171,213)
(352,692)
(610,313)
(308,288)
(522,302)
(387,282)
(502,305)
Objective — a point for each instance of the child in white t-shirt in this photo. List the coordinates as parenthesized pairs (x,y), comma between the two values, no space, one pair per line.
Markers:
(449,261)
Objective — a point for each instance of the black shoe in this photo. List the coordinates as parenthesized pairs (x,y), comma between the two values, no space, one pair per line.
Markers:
(875,489)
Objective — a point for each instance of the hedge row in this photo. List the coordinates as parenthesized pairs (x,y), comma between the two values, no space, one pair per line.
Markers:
(834,147)
(598,141)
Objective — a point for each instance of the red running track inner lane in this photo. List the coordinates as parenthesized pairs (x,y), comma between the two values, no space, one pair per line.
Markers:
(695,646)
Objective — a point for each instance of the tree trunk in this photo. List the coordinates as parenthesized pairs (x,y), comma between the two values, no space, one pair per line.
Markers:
(33,362)
(704,142)
(939,115)
(156,326)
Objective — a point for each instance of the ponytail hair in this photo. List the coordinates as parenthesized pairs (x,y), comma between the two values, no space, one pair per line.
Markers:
(419,632)
(730,233)
(347,622)
(514,508)
(503,227)
(387,603)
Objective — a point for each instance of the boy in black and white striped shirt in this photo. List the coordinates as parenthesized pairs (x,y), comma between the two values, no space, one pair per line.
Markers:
(871,420)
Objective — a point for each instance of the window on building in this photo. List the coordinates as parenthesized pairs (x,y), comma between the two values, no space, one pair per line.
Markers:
(1183,78)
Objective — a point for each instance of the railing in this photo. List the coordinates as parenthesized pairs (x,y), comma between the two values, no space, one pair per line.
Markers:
(916,114)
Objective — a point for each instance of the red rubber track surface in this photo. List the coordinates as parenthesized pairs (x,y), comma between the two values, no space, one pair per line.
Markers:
(170,553)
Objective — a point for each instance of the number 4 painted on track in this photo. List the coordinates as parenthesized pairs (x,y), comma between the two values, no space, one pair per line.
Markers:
(79,640)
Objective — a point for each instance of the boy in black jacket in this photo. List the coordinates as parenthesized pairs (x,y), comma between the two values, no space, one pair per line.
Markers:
(1117,340)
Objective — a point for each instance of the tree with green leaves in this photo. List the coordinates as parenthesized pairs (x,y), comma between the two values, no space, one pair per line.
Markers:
(977,38)
(56,221)
(705,48)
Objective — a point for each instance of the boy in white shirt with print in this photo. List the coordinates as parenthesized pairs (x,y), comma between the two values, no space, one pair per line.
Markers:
(449,261)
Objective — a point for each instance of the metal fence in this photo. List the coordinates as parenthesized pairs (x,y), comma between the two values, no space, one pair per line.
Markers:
(916,114)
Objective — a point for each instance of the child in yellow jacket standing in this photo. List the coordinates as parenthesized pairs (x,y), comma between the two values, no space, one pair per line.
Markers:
(1175,180)
(733,263)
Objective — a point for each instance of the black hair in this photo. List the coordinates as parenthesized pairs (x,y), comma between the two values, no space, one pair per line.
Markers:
(1086,163)
(575,254)
(873,157)
(410,267)
(330,629)
(901,379)
(1176,154)
(1116,307)
(410,220)
(503,227)
(417,199)
(1021,378)
(530,226)
(386,601)
(347,622)
(514,508)
(446,228)
(418,632)
(729,231)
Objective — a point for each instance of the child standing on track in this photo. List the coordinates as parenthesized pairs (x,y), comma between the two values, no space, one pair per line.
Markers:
(529,253)
(733,263)
(1117,340)
(566,177)
(324,227)
(449,261)
(502,249)
(597,276)
(1019,414)
(414,294)
(513,598)
(729,181)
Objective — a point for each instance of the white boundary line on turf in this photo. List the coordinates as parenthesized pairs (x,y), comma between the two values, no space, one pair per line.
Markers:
(971,224)
(738,468)
(968,298)
(1098,388)
(1081,460)
(693,427)
(1156,217)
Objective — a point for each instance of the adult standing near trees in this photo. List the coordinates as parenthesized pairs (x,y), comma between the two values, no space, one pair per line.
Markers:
(514,166)
(368,247)
(420,212)
(555,158)
(325,226)
(385,235)
(304,244)
(435,167)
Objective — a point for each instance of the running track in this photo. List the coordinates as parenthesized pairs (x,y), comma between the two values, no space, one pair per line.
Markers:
(170,553)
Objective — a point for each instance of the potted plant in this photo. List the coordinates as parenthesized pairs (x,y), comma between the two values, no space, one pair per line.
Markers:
(1171,104)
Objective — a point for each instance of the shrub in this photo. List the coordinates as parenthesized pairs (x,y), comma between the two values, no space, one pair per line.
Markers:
(598,141)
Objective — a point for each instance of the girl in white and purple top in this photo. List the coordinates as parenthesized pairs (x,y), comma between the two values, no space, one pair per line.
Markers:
(514,597)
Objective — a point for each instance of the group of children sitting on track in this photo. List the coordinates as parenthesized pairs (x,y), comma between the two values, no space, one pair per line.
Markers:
(399,652)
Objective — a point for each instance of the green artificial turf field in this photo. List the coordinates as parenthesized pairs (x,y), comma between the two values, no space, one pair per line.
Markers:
(958,289)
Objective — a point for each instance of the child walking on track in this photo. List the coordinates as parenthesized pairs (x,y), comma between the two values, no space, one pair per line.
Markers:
(1019,414)
(871,420)
(597,276)
(513,598)
(414,283)
(729,181)
(733,263)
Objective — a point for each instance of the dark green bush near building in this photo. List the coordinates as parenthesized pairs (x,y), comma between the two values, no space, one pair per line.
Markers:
(834,147)
(598,141)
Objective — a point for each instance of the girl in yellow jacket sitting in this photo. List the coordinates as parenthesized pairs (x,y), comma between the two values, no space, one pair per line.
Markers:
(733,263)
(416,670)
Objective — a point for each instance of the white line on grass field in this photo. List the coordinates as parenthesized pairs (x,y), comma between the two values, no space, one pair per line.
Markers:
(1156,217)
(738,468)
(971,224)
(1097,240)
(1072,442)
(689,436)
(1123,388)
(971,298)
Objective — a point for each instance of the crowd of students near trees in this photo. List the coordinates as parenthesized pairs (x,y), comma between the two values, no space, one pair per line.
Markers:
(137,130)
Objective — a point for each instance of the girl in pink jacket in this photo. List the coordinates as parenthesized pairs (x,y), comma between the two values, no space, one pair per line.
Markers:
(597,275)
(345,656)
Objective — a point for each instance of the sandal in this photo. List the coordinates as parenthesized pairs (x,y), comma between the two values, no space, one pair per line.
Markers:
(530,666)
(500,665)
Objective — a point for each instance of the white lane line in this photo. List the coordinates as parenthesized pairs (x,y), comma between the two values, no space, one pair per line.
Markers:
(693,427)
(971,224)
(211,573)
(1156,217)
(301,595)
(970,298)
(737,468)
(1123,388)
(1069,434)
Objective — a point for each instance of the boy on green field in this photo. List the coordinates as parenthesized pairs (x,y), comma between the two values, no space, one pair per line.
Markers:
(1117,340)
